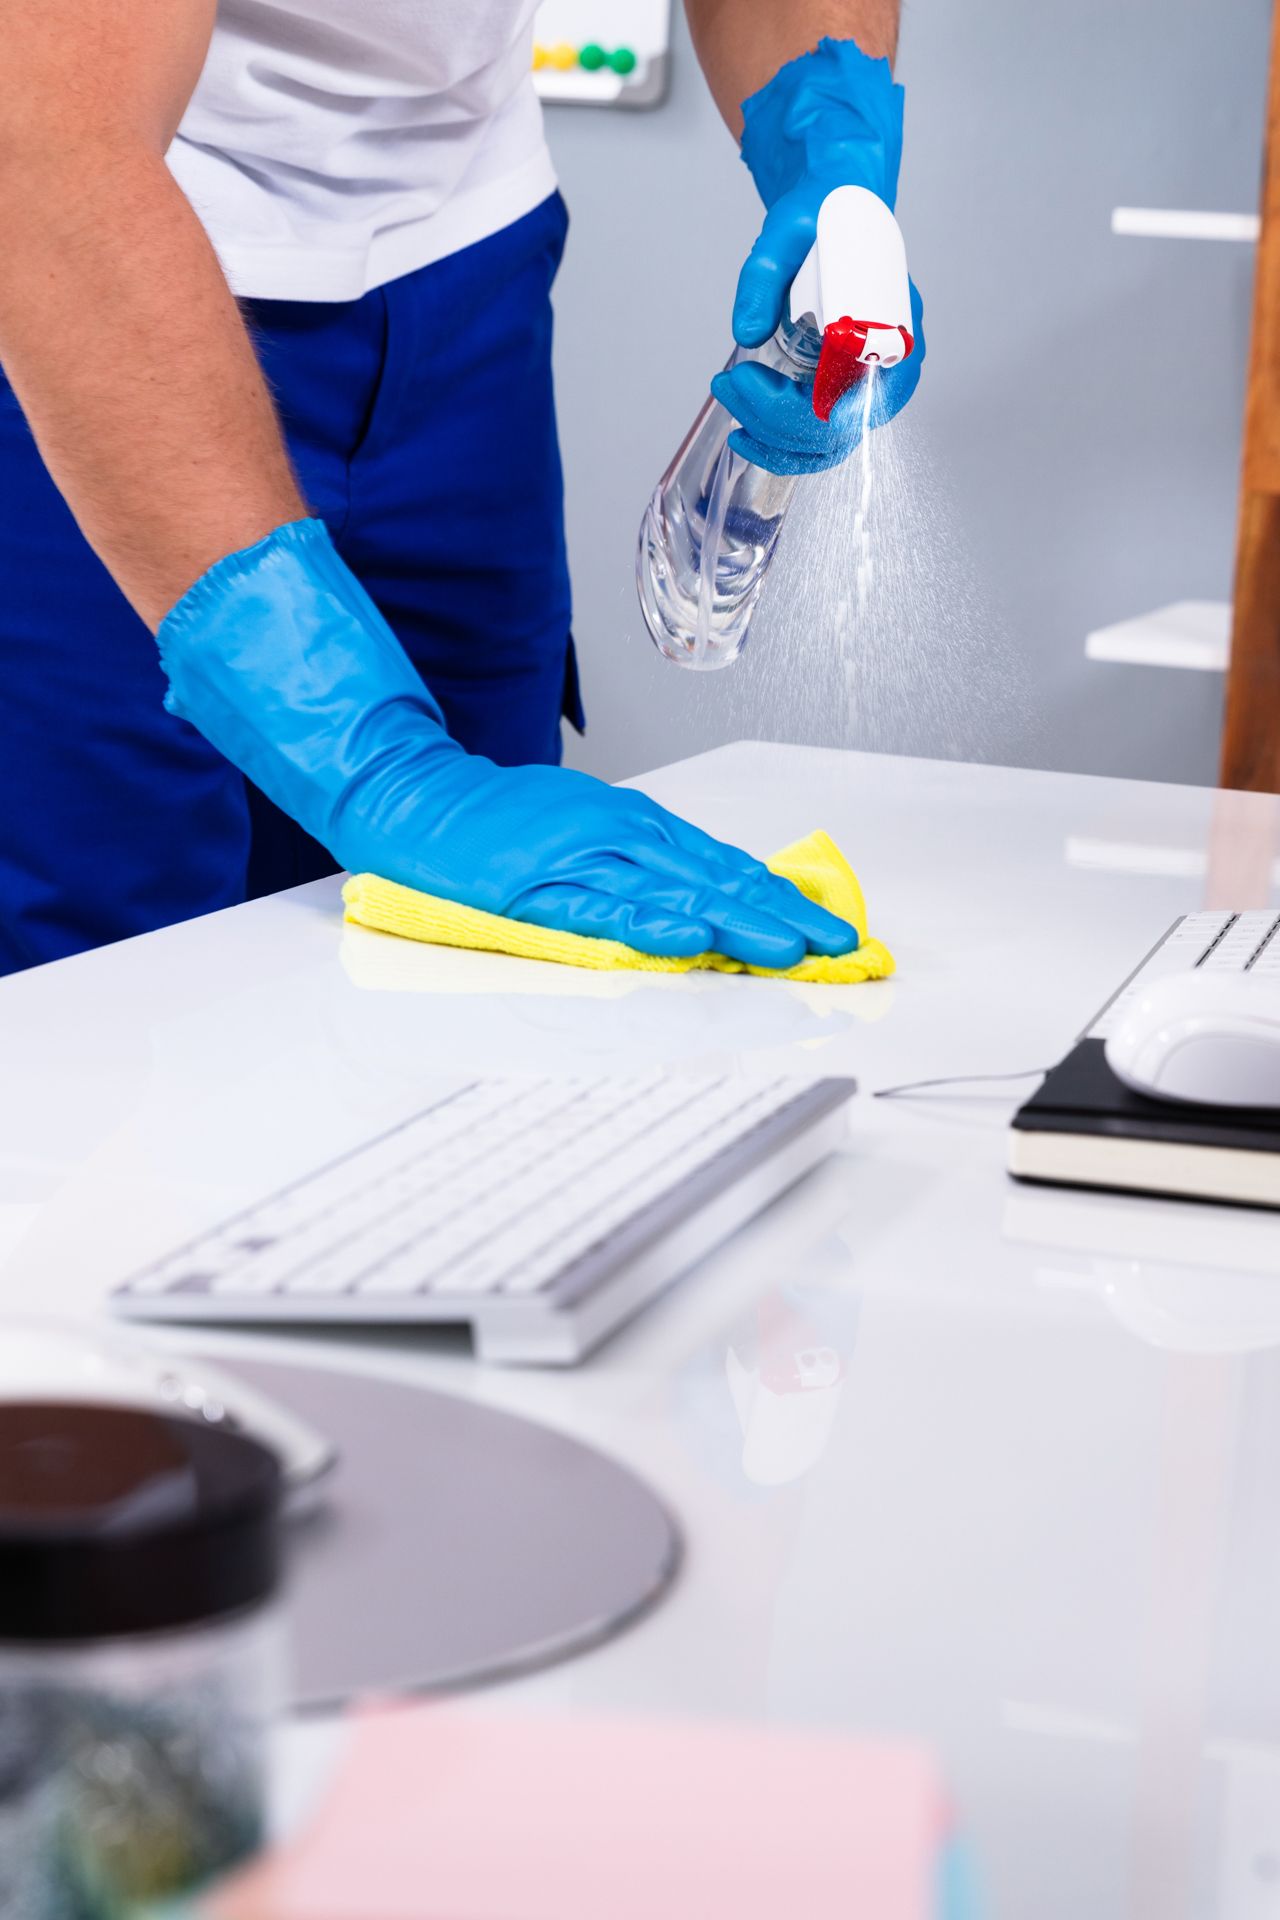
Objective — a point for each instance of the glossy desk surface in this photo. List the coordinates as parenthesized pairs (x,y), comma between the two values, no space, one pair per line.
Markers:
(993,1468)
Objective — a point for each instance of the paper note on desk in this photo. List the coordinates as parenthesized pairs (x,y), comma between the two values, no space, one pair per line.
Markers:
(438,1815)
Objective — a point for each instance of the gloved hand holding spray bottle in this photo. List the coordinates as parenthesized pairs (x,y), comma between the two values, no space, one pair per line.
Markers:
(823,299)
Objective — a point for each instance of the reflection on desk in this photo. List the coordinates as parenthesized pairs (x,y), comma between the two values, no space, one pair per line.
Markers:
(1191,1279)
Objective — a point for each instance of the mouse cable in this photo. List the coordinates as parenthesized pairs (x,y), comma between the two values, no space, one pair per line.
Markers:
(955,1080)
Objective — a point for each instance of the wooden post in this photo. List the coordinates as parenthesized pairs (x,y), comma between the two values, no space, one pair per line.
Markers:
(1251,738)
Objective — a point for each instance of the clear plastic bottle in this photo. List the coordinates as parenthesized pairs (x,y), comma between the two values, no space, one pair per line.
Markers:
(713,525)
(714,522)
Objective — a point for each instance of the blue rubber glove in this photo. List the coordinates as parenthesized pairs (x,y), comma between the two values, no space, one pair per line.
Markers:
(280,658)
(831,118)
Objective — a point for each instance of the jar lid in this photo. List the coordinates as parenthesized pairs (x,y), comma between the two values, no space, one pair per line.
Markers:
(116,1520)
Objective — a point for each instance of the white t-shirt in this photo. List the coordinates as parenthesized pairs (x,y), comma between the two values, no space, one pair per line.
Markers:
(332,145)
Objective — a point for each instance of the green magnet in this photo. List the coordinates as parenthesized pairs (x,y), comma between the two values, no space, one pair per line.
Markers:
(592,57)
(622,60)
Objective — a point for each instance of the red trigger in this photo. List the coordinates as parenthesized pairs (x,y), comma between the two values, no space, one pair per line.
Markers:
(839,364)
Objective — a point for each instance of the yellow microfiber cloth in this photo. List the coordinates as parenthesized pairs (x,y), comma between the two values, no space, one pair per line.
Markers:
(815,863)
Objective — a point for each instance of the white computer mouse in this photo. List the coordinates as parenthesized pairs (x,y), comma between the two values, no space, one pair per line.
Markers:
(1211,1038)
(60,1360)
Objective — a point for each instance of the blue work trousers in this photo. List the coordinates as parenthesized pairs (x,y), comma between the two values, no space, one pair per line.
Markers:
(421,422)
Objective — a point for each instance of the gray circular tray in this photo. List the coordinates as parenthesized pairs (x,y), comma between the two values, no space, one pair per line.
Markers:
(454,1544)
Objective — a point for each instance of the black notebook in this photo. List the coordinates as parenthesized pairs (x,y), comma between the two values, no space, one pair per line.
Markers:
(1085,1128)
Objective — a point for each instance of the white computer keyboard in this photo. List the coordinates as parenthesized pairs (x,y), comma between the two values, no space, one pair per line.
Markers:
(541,1212)
(1214,941)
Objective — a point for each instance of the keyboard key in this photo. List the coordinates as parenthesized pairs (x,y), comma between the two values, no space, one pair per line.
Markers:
(1239,944)
(481,1271)
(244,1280)
(403,1273)
(324,1277)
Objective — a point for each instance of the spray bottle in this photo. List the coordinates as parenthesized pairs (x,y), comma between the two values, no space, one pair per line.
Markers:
(714,521)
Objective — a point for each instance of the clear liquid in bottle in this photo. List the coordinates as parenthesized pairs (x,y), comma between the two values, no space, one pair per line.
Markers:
(713,525)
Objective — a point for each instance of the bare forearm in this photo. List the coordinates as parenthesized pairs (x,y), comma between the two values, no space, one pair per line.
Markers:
(742,43)
(134,369)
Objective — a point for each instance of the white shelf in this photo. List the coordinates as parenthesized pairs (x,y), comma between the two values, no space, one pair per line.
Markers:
(1173,223)
(1192,634)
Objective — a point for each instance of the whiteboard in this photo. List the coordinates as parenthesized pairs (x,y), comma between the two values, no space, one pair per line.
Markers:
(633,36)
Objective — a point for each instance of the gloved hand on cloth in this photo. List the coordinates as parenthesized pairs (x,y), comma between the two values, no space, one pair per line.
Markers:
(280,658)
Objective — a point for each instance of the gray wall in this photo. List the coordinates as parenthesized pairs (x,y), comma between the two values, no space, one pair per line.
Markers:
(1070,458)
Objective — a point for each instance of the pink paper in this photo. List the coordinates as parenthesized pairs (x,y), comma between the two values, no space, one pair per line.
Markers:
(436,1814)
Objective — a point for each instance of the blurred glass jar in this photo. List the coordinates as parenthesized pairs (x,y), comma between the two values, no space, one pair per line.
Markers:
(141,1656)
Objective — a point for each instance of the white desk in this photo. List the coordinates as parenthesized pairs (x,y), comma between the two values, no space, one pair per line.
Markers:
(1037,1522)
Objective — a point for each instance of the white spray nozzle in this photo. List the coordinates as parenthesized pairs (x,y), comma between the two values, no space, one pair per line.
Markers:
(856,271)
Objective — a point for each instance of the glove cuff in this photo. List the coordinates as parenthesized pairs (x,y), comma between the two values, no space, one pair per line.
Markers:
(280,658)
(833,111)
